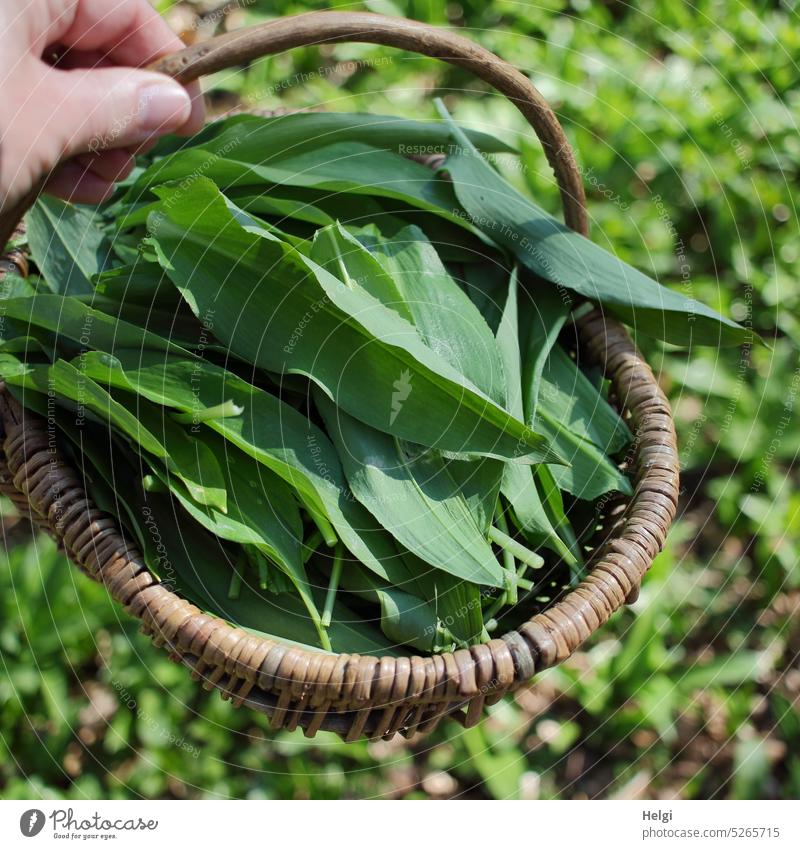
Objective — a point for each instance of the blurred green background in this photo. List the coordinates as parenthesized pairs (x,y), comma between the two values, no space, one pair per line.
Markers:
(684,120)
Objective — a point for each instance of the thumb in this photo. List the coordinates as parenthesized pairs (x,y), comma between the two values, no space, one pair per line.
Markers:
(115,107)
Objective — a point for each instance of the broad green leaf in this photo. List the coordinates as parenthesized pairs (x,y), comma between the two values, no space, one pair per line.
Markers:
(542,316)
(269,430)
(565,258)
(198,566)
(405,619)
(590,473)
(445,317)
(351,167)
(340,253)
(261,512)
(518,483)
(406,274)
(568,393)
(458,603)
(413,496)
(142,283)
(259,140)
(84,326)
(478,482)
(192,462)
(16,286)
(256,136)
(339,337)
(66,244)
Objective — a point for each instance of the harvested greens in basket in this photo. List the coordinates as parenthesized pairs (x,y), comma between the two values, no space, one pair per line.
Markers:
(333,392)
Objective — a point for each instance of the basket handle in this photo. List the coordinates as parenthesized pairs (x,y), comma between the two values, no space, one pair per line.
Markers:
(282,34)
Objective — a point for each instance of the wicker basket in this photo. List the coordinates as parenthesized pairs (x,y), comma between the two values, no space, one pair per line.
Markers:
(357,695)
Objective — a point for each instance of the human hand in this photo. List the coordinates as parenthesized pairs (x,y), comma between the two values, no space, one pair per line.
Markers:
(93,107)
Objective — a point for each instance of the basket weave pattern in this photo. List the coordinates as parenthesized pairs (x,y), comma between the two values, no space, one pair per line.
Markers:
(358,695)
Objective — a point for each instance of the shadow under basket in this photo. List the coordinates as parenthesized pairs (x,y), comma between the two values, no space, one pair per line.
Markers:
(355,695)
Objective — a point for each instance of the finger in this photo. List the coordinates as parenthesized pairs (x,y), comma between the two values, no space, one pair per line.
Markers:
(127,32)
(110,165)
(111,108)
(92,59)
(75,183)
(130,32)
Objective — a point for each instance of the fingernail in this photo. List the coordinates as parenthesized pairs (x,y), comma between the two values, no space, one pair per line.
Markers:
(163,107)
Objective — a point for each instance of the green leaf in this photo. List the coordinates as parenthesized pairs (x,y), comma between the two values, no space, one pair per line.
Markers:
(566,392)
(317,326)
(198,565)
(192,462)
(565,258)
(406,275)
(590,473)
(269,430)
(405,619)
(258,140)
(85,327)
(541,318)
(458,602)
(142,282)
(445,317)
(518,484)
(413,496)
(66,244)
(341,254)
(261,513)
(256,136)
(348,167)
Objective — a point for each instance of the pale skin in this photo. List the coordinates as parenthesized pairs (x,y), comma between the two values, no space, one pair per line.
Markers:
(75,101)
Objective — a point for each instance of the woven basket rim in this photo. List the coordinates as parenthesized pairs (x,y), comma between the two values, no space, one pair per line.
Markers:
(358,695)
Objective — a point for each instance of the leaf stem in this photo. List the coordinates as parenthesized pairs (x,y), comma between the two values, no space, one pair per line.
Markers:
(525,555)
(333,586)
(325,527)
(509,564)
(263,573)
(311,545)
(235,585)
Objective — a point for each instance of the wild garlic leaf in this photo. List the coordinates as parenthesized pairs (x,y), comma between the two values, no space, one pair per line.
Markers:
(66,244)
(261,512)
(568,392)
(565,258)
(199,565)
(457,602)
(406,274)
(315,325)
(167,441)
(87,328)
(413,496)
(349,167)
(259,140)
(268,430)
(518,482)
(341,254)
(405,618)
(444,315)
(141,282)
